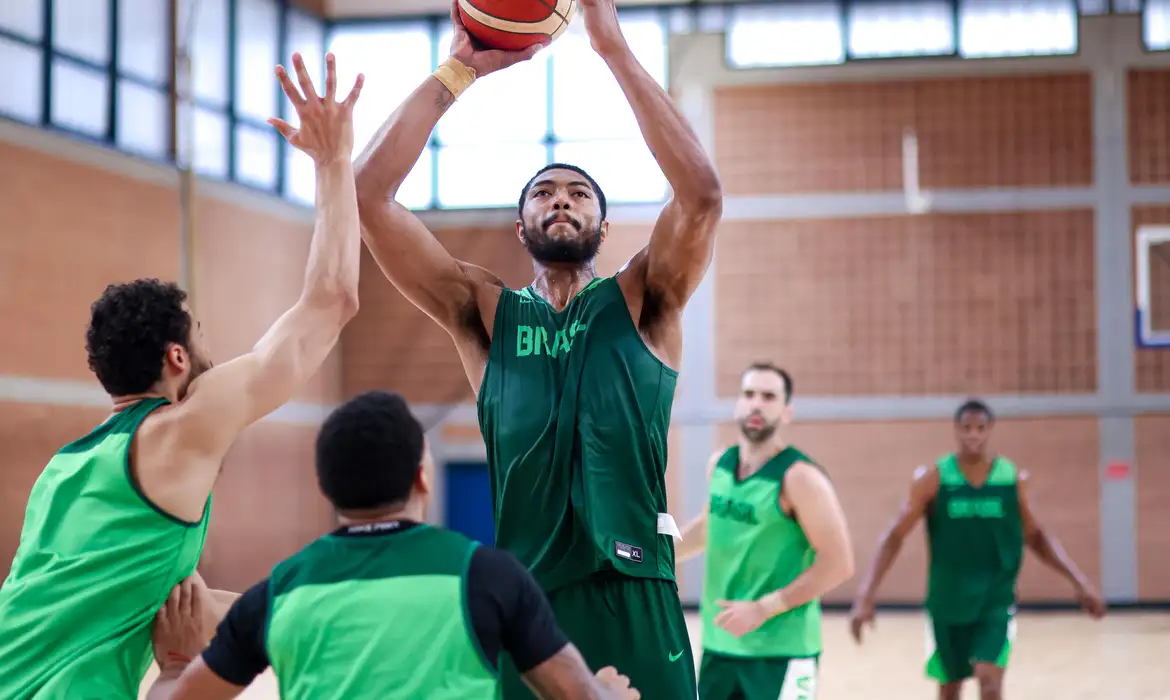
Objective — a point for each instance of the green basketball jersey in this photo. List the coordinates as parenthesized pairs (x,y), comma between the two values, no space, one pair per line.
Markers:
(96,561)
(976,542)
(372,616)
(753,549)
(574,410)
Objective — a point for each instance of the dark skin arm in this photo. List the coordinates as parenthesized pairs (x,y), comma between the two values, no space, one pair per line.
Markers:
(1047,548)
(660,279)
(923,491)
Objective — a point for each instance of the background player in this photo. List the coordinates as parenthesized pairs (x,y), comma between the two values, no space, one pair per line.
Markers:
(119,516)
(978,518)
(575,375)
(776,541)
(445,607)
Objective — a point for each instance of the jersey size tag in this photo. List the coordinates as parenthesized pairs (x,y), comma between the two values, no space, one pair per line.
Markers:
(628,551)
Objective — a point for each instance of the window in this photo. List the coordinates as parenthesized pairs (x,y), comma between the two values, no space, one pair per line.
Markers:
(300,176)
(256,156)
(1094,7)
(511,105)
(204,23)
(143,120)
(1156,25)
(395,60)
(82,28)
(587,102)
(307,36)
(257,53)
(22,17)
(799,33)
(21,96)
(210,139)
(624,169)
(417,191)
(143,44)
(901,28)
(490,175)
(1008,28)
(80,98)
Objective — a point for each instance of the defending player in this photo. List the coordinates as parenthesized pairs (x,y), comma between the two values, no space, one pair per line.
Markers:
(575,374)
(978,519)
(386,607)
(118,517)
(776,541)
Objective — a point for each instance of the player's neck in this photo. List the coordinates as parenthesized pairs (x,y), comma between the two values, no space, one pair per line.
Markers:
(973,460)
(121,403)
(412,510)
(754,455)
(558,283)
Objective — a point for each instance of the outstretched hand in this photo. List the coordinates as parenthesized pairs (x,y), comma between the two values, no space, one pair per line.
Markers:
(326,125)
(483,61)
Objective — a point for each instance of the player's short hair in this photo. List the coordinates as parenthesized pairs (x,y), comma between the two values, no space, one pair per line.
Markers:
(564,166)
(770,367)
(974,406)
(130,327)
(369,451)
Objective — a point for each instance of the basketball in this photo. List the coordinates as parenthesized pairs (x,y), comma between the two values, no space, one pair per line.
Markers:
(514,25)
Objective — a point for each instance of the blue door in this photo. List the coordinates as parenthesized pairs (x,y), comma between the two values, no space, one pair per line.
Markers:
(469,501)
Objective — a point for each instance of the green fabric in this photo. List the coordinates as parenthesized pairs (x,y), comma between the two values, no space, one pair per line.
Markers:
(955,649)
(96,560)
(780,678)
(574,411)
(380,617)
(634,624)
(753,549)
(976,541)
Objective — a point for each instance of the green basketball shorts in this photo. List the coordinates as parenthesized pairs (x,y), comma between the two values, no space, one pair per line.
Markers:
(633,624)
(953,650)
(774,678)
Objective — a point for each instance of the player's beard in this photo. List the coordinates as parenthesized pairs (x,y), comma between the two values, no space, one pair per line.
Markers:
(546,249)
(198,367)
(756,435)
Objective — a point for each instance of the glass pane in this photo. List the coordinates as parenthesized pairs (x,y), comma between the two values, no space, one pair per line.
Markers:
(22,17)
(206,22)
(307,36)
(256,156)
(143,39)
(300,176)
(487,175)
(800,33)
(1094,7)
(211,143)
(82,28)
(1127,6)
(901,28)
(624,169)
(1156,24)
(143,115)
(1010,28)
(416,191)
(511,105)
(257,53)
(395,58)
(80,98)
(587,101)
(21,96)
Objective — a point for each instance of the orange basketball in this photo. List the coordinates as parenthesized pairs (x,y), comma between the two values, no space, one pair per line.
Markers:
(515,25)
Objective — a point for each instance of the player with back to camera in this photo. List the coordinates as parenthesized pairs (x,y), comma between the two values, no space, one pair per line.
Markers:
(776,541)
(575,374)
(119,516)
(978,516)
(386,607)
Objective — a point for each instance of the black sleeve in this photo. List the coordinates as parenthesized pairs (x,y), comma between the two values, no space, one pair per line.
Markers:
(237,654)
(509,611)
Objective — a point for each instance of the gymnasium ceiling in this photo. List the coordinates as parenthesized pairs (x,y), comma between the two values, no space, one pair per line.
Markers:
(382,8)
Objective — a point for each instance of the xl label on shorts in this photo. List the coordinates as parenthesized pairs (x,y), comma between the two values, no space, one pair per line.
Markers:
(628,551)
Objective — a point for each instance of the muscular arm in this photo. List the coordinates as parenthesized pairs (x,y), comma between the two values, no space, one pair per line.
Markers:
(922,493)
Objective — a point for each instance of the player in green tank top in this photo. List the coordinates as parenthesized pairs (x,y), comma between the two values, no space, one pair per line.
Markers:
(118,517)
(776,541)
(978,520)
(574,374)
(386,607)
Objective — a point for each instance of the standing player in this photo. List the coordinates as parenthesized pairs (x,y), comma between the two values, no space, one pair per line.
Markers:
(118,517)
(575,374)
(776,541)
(386,606)
(978,519)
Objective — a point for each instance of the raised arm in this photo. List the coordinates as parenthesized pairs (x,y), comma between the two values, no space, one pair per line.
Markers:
(195,435)
(922,493)
(409,255)
(683,239)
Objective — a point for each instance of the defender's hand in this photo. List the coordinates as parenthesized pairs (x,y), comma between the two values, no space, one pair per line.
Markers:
(326,130)
(860,615)
(741,617)
(483,61)
(617,684)
(601,24)
(179,634)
